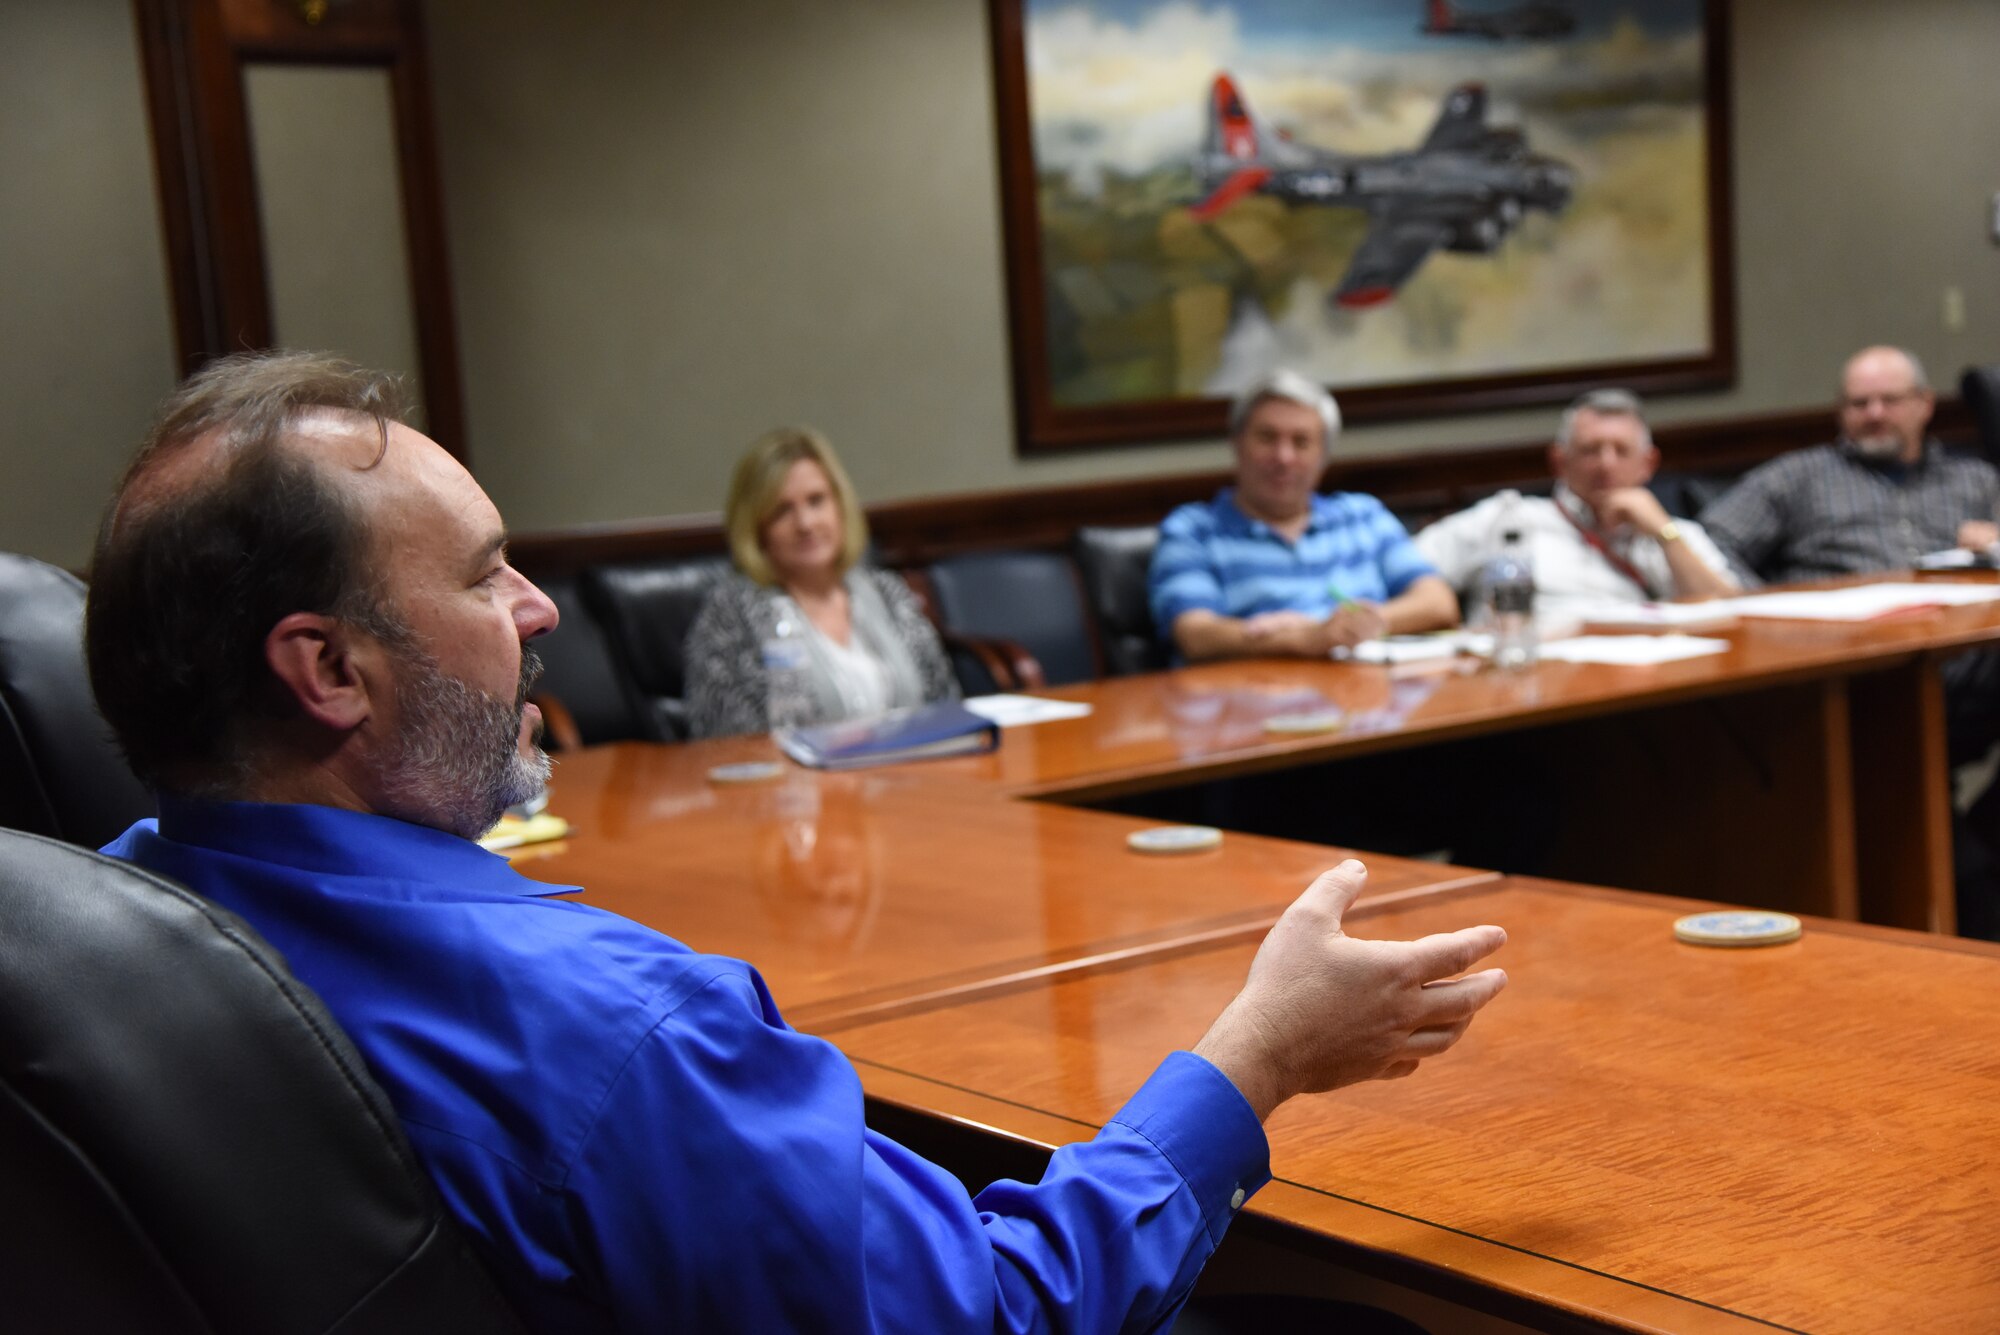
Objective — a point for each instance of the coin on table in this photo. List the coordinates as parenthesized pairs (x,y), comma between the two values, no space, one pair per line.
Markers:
(1751,927)
(1320,720)
(1174,839)
(753,771)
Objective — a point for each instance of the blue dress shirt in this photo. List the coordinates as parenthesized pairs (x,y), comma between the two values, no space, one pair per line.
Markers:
(637,1140)
(1215,558)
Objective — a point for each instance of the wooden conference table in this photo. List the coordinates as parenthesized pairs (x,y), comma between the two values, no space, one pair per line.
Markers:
(1640,1135)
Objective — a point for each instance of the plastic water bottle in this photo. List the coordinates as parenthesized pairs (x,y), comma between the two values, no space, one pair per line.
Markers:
(1510,603)
(788,702)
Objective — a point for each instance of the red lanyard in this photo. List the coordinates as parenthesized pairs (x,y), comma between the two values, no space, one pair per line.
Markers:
(1618,563)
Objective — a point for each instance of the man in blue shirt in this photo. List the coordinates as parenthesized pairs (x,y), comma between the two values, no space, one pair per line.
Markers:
(1269,567)
(304,628)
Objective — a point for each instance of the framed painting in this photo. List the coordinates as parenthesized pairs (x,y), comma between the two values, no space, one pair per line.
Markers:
(1431,206)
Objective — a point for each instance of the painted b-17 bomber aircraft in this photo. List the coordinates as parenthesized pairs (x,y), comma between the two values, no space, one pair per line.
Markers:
(1464,189)
(1518,23)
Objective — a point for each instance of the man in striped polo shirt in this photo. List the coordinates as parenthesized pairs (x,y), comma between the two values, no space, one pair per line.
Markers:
(1270,568)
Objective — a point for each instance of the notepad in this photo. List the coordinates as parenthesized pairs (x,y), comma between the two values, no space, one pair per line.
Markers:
(1396,649)
(1660,616)
(927,732)
(1014,711)
(1861,602)
(1631,650)
(515,832)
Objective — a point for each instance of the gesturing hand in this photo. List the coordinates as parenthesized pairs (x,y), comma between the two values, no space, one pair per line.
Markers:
(1321,1009)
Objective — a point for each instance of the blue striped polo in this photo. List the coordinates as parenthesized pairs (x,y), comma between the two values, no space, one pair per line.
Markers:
(1214,557)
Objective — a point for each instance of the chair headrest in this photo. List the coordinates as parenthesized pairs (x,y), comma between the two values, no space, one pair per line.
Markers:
(60,771)
(647,609)
(171,1045)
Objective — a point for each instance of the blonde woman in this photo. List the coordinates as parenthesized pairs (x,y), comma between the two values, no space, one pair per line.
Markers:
(796,535)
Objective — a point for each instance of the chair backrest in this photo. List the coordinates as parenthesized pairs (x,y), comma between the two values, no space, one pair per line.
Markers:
(1980,388)
(1028,597)
(190,1141)
(1686,495)
(1114,563)
(60,771)
(578,668)
(646,609)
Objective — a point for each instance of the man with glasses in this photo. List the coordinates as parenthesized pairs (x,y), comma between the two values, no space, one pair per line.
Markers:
(1879,497)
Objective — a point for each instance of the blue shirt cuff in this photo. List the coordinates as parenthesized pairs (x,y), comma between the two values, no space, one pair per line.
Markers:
(1202,1124)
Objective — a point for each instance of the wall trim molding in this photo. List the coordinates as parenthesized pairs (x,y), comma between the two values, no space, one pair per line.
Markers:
(922,529)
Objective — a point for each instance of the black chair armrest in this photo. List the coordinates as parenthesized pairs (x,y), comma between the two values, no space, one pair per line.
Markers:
(559,730)
(1007,664)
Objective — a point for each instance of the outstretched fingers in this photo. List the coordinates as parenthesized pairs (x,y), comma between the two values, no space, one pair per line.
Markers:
(1459,999)
(1448,953)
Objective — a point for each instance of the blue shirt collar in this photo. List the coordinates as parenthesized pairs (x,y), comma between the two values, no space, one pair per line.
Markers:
(1230,518)
(335,842)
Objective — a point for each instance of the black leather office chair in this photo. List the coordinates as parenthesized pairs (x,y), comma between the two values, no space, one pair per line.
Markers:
(60,772)
(1113,563)
(1686,495)
(646,609)
(580,674)
(1980,388)
(190,1144)
(1027,598)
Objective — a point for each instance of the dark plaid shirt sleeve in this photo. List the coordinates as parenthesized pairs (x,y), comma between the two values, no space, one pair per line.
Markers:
(1829,511)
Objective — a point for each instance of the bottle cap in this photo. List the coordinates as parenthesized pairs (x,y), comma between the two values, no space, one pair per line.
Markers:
(1174,839)
(1320,720)
(753,771)
(1753,927)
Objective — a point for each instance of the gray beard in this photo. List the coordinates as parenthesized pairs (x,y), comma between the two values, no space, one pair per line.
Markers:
(457,763)
(1877,447)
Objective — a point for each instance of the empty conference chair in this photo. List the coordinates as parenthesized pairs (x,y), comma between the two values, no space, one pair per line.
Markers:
(1027,598)
(583,698)
(647,609)
(1114,563)
(191,1145)
(60,771)
(1980,388)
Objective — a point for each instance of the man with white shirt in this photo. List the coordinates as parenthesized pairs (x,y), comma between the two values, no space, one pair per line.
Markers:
(1602,537)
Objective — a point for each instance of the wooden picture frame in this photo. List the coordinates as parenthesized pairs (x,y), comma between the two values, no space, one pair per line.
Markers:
(1628,280)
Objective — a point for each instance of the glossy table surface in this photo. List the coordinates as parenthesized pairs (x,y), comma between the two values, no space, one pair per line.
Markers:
(1639,1134)
(1649,1134)
(852,892)
(1207,720)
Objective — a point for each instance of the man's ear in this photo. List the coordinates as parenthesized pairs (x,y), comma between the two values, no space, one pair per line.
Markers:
(1652,464)
(1555,461)
(314,658)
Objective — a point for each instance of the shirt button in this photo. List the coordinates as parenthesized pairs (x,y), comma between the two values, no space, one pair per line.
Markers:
(1236,1201)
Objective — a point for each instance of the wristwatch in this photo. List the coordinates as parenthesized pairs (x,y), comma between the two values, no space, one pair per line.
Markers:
(1669,532)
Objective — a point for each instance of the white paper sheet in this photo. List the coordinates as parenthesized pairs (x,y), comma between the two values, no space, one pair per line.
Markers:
(1660,616)
(1013,711)
(1631,650)
(1862,602)
(1415,648)
(1956,558)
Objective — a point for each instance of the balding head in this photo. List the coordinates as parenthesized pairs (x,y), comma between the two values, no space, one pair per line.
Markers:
(238,510)
(1885,403)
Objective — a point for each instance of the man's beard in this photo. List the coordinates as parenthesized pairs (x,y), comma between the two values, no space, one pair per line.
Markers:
(1884,446)
(456,763)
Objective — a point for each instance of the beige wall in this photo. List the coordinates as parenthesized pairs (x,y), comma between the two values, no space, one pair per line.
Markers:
(673,226)
(86,341)
(673,229)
